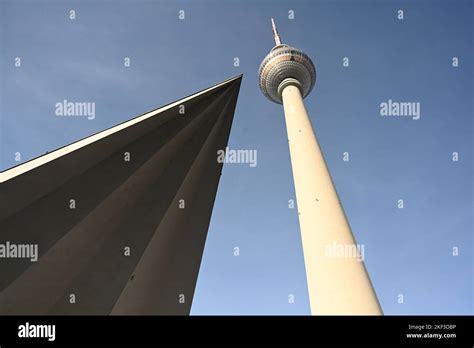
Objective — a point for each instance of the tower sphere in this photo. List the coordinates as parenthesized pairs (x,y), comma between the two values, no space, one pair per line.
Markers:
(284,66)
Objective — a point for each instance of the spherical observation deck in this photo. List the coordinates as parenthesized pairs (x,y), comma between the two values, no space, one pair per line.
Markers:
(284,66)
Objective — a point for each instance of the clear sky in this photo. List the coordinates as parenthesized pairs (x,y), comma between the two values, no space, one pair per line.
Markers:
(408,251)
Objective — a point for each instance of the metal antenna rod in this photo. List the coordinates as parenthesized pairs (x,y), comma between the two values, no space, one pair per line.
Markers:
(275,34)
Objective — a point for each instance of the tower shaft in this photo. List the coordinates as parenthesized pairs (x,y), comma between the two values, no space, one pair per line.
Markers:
(337,284)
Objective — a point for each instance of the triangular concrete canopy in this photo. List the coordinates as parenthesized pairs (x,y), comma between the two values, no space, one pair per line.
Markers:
(120,218)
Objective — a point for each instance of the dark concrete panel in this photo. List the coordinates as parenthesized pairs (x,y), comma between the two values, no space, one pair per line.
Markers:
(118,204)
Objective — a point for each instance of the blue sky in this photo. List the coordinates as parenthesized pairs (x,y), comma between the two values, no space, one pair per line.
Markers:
(408,251)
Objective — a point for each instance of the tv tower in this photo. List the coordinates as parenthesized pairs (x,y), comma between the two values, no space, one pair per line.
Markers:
(338,282)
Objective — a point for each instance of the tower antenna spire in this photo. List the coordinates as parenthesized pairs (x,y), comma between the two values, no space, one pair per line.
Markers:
(276,36)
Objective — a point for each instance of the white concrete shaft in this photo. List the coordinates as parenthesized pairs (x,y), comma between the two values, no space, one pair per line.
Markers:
(337,284)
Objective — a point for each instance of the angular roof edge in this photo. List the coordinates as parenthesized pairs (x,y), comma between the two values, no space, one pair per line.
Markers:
(64,150)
